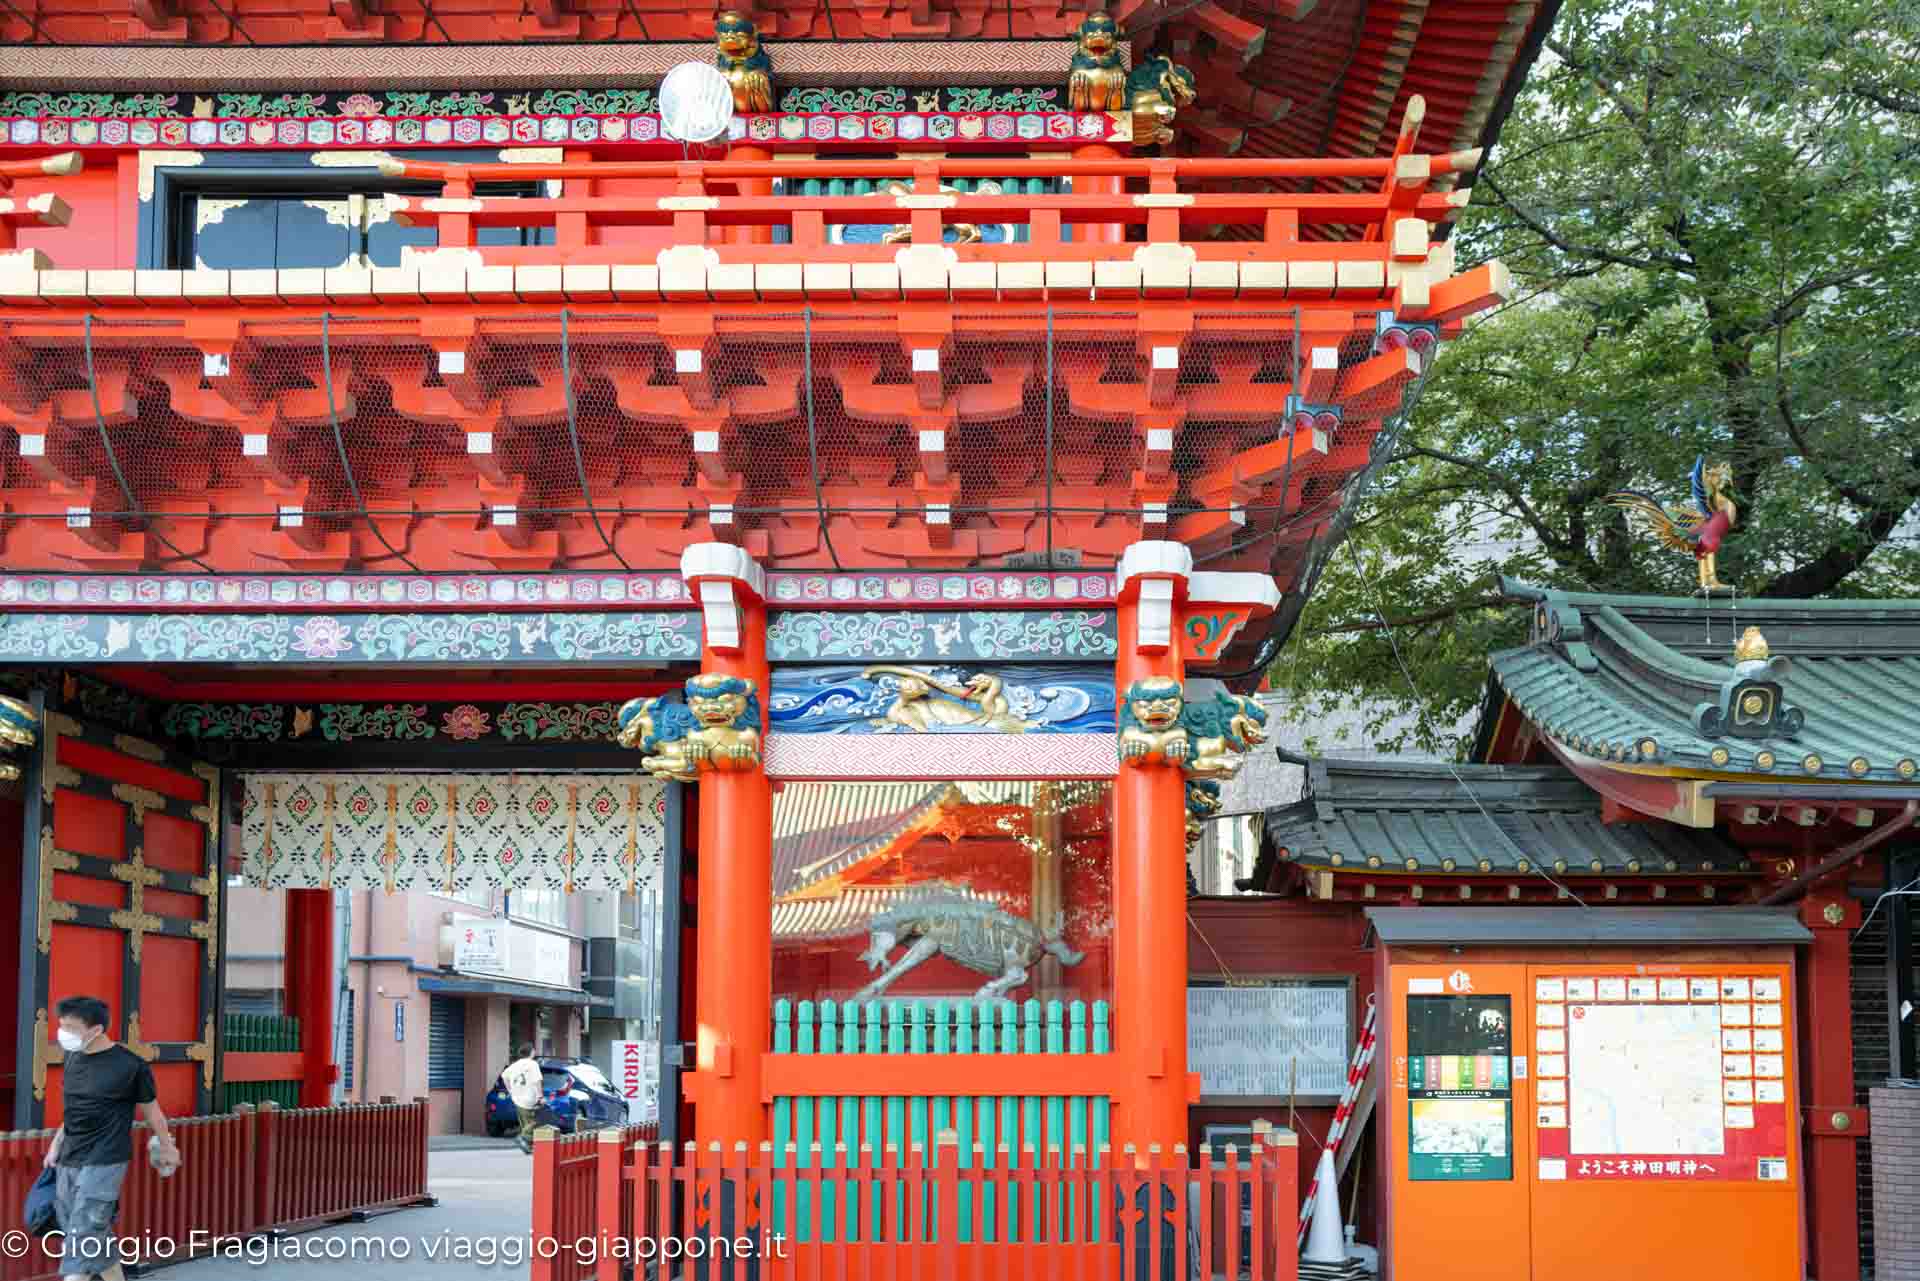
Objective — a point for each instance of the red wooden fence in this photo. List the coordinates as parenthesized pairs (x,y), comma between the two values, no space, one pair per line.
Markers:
(604,1207)
(241,1173)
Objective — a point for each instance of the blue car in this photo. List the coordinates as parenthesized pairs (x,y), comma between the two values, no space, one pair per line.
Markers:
(575,1096)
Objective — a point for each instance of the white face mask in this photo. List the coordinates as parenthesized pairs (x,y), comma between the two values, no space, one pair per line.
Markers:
(72,1042)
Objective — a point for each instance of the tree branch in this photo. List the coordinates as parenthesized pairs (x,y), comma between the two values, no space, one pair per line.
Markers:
(1416,620)
(1539,227)
(1541,529)
(1825,572)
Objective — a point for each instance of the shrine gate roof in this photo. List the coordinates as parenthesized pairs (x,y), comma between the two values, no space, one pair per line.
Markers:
(1392,816)
(1559,926)
(1638,681)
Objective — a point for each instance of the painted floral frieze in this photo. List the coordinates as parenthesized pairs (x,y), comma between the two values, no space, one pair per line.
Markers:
(350,638)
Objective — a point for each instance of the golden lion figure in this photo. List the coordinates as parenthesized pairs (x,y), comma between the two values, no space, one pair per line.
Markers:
(1223,732)
(718,728)
(746,65)
(1157,89)
(1150,728)
(1097,80)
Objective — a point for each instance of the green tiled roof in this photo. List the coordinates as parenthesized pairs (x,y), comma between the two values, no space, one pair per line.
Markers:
(1481,819)
(1624,678)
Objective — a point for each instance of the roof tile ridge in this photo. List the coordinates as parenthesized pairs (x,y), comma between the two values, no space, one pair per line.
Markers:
(1628,639)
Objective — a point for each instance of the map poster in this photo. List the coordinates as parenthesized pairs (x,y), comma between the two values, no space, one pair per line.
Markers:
(1459,1088)
(1680,1079)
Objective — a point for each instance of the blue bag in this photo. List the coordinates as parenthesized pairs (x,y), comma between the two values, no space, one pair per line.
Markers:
(40,1216)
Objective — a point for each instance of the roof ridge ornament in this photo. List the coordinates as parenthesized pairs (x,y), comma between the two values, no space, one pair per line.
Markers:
(1697,529)
(1752,702)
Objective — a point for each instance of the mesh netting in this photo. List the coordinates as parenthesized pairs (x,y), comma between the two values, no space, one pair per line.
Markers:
(560,440)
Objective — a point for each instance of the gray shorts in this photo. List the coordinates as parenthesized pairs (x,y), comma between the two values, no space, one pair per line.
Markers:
(86,1197)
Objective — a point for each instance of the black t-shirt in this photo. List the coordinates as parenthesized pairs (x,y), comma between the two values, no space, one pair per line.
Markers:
(101,1091)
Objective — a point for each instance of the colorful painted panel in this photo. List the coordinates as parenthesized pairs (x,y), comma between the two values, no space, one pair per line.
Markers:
(351,638)
(918,636)
(413,103)
(449,832)
(886,699)
(191,592)
(268,133)
(322,723)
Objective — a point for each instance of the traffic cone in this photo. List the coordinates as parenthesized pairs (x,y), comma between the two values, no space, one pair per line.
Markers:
(1326,1239)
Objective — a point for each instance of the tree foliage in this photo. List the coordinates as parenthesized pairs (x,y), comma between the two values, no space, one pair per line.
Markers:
(1708,208)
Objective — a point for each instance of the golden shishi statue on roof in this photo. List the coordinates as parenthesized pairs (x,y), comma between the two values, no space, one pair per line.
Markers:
(1097,80)
(1156,90)
(744,63)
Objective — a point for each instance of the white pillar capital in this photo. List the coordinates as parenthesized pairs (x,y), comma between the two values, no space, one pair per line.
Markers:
(1154,574)
(722,578)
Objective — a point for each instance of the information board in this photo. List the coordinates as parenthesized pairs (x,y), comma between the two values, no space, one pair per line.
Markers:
(1459,1087)
(1678,1076)
(1263,1040)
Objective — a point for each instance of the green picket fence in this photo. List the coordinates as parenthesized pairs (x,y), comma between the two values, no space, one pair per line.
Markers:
(990,1129)
(258,1034)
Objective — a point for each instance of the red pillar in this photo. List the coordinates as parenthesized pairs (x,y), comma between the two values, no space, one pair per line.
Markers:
(734,970)
(310,981)
(1149,871)
(750,187)
(1833,1124)
(1099,233)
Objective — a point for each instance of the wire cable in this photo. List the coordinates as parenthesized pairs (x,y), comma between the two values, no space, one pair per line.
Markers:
(813,436)
(1049,441)
(573,436)
(100,421)
(1908,890)
(1413,688)
(340,444)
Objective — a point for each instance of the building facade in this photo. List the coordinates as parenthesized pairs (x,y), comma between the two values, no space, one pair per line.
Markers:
(845,504)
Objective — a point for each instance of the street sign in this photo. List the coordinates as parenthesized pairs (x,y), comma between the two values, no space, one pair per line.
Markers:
(636,1074)
(479,944)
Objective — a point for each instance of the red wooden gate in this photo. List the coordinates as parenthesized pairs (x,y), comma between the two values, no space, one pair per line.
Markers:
(122,901)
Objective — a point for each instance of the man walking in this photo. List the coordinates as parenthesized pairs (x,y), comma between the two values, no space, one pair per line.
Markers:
(102,1085)
(523,1087)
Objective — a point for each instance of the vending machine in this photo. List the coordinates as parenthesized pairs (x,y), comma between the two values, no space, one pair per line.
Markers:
(1588,1095)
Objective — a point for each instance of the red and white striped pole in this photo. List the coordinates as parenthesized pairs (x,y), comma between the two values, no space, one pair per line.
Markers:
(1356,1073)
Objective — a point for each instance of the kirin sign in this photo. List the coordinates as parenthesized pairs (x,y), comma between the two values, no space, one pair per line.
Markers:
(636,1074)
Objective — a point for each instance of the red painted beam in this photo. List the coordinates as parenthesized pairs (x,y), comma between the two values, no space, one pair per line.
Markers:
(1245,38)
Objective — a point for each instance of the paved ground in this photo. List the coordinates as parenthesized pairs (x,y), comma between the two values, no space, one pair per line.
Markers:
(483,1215)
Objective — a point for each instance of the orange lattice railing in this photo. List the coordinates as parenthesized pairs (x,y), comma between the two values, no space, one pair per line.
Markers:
(736,196)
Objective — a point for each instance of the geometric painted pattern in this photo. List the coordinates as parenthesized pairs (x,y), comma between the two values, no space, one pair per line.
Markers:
(372,592)
(942,757)
(449,832)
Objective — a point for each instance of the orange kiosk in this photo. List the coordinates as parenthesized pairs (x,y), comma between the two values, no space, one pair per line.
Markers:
(1577,1094)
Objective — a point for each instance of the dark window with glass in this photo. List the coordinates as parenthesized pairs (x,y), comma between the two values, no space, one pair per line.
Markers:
(313,223)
